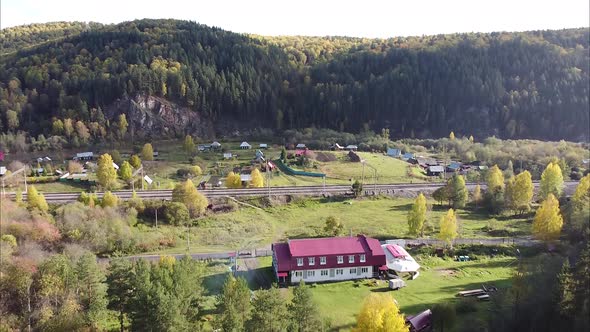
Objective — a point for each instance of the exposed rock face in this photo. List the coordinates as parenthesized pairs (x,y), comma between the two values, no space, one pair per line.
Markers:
(155,117)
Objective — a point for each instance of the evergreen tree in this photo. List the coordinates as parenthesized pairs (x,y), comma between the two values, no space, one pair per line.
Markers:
(106,173)
(448,227)
(36,200)
(91,290)
(303,310)
(257,181)
(551,181)
(109,200)
(417,216)
(548,220)
(269,312)
(147,152)
(125,171)
(234,305)
(120,288)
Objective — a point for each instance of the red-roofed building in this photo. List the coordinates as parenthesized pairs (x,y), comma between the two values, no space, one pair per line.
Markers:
(327,259)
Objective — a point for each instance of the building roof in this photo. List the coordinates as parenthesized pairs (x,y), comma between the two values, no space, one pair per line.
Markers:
(282,255)
(337,146)
(408,155)
(263,145)
(436,169)
(300,146)
(245,177)
(333,246)
(351,146)
(245,144)
(420,321)
(454,165)
(2,170)
(216,144)
(393,152)
(84,154)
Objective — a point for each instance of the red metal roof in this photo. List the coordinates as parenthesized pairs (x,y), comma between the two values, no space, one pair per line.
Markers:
(286,254)
(331,246)
(396,250)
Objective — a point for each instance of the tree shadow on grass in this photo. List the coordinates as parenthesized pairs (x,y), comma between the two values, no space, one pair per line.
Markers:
(403,207)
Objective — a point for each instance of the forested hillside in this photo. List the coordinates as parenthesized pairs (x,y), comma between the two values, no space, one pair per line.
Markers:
(513,85)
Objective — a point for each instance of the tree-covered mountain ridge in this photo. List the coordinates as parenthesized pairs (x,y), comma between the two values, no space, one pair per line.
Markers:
(513,85)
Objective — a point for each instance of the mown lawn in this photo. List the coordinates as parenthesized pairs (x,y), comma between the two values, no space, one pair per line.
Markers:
(439,282)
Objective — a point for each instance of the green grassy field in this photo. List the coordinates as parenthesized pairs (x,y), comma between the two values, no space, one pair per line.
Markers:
(439,282)
(378,217)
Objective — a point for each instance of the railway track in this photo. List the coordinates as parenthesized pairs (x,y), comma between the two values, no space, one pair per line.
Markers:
(369,189)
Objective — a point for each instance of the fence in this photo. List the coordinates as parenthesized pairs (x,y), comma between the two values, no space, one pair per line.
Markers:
(527,242)
(291,171)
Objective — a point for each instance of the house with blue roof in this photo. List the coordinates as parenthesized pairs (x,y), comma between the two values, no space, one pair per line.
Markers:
(394,152)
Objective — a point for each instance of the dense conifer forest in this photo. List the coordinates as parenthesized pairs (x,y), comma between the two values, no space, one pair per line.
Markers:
(58,78)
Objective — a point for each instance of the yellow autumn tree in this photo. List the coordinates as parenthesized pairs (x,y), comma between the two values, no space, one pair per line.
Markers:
(106,173)
(548,220)
(417,216)
(233,180)
(109,199)
(495,188)
(380,314)
(551,181)
(147,152)
(448,227)
(35,200)
(471,139)
(581,196)
(477,195)
(519,192)
(187,193)
(257,181)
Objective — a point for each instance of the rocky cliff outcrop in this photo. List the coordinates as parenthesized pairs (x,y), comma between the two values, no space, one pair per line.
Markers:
(150,116)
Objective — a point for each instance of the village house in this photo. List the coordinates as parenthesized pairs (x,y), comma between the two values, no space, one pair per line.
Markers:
(84,156)
(435,170)
(215,145)
(227,155)
(300,146)
(327,259)
(245,146)
(407,156)
(263,146)
(394,152)
(351,147)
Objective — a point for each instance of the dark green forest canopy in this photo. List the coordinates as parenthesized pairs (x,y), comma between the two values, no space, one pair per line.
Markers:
(513,85)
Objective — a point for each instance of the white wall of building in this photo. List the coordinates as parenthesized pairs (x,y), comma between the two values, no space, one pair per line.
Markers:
(332,274)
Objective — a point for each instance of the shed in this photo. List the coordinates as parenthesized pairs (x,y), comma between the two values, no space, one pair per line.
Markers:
(420,322)
(351,147)
(2,170)
(394,152)
(263,146)
(435,170)
(336,146)
(300,146)
(407,156)
(227,155)
(215,145)
(454,166)
(245,146)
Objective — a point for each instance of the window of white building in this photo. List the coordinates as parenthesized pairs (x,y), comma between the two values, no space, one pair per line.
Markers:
(298,274)
(311,273)
(352,271)
(339,271)
(365,270)
(324,273)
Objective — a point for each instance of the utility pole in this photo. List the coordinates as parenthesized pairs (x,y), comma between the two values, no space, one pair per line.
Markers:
(268,179)
(363,173)
(156,216)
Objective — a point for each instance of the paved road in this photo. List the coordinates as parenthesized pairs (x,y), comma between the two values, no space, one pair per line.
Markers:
(370,189)
(250,254)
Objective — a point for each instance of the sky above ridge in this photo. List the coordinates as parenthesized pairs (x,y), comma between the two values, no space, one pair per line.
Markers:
(368,18)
